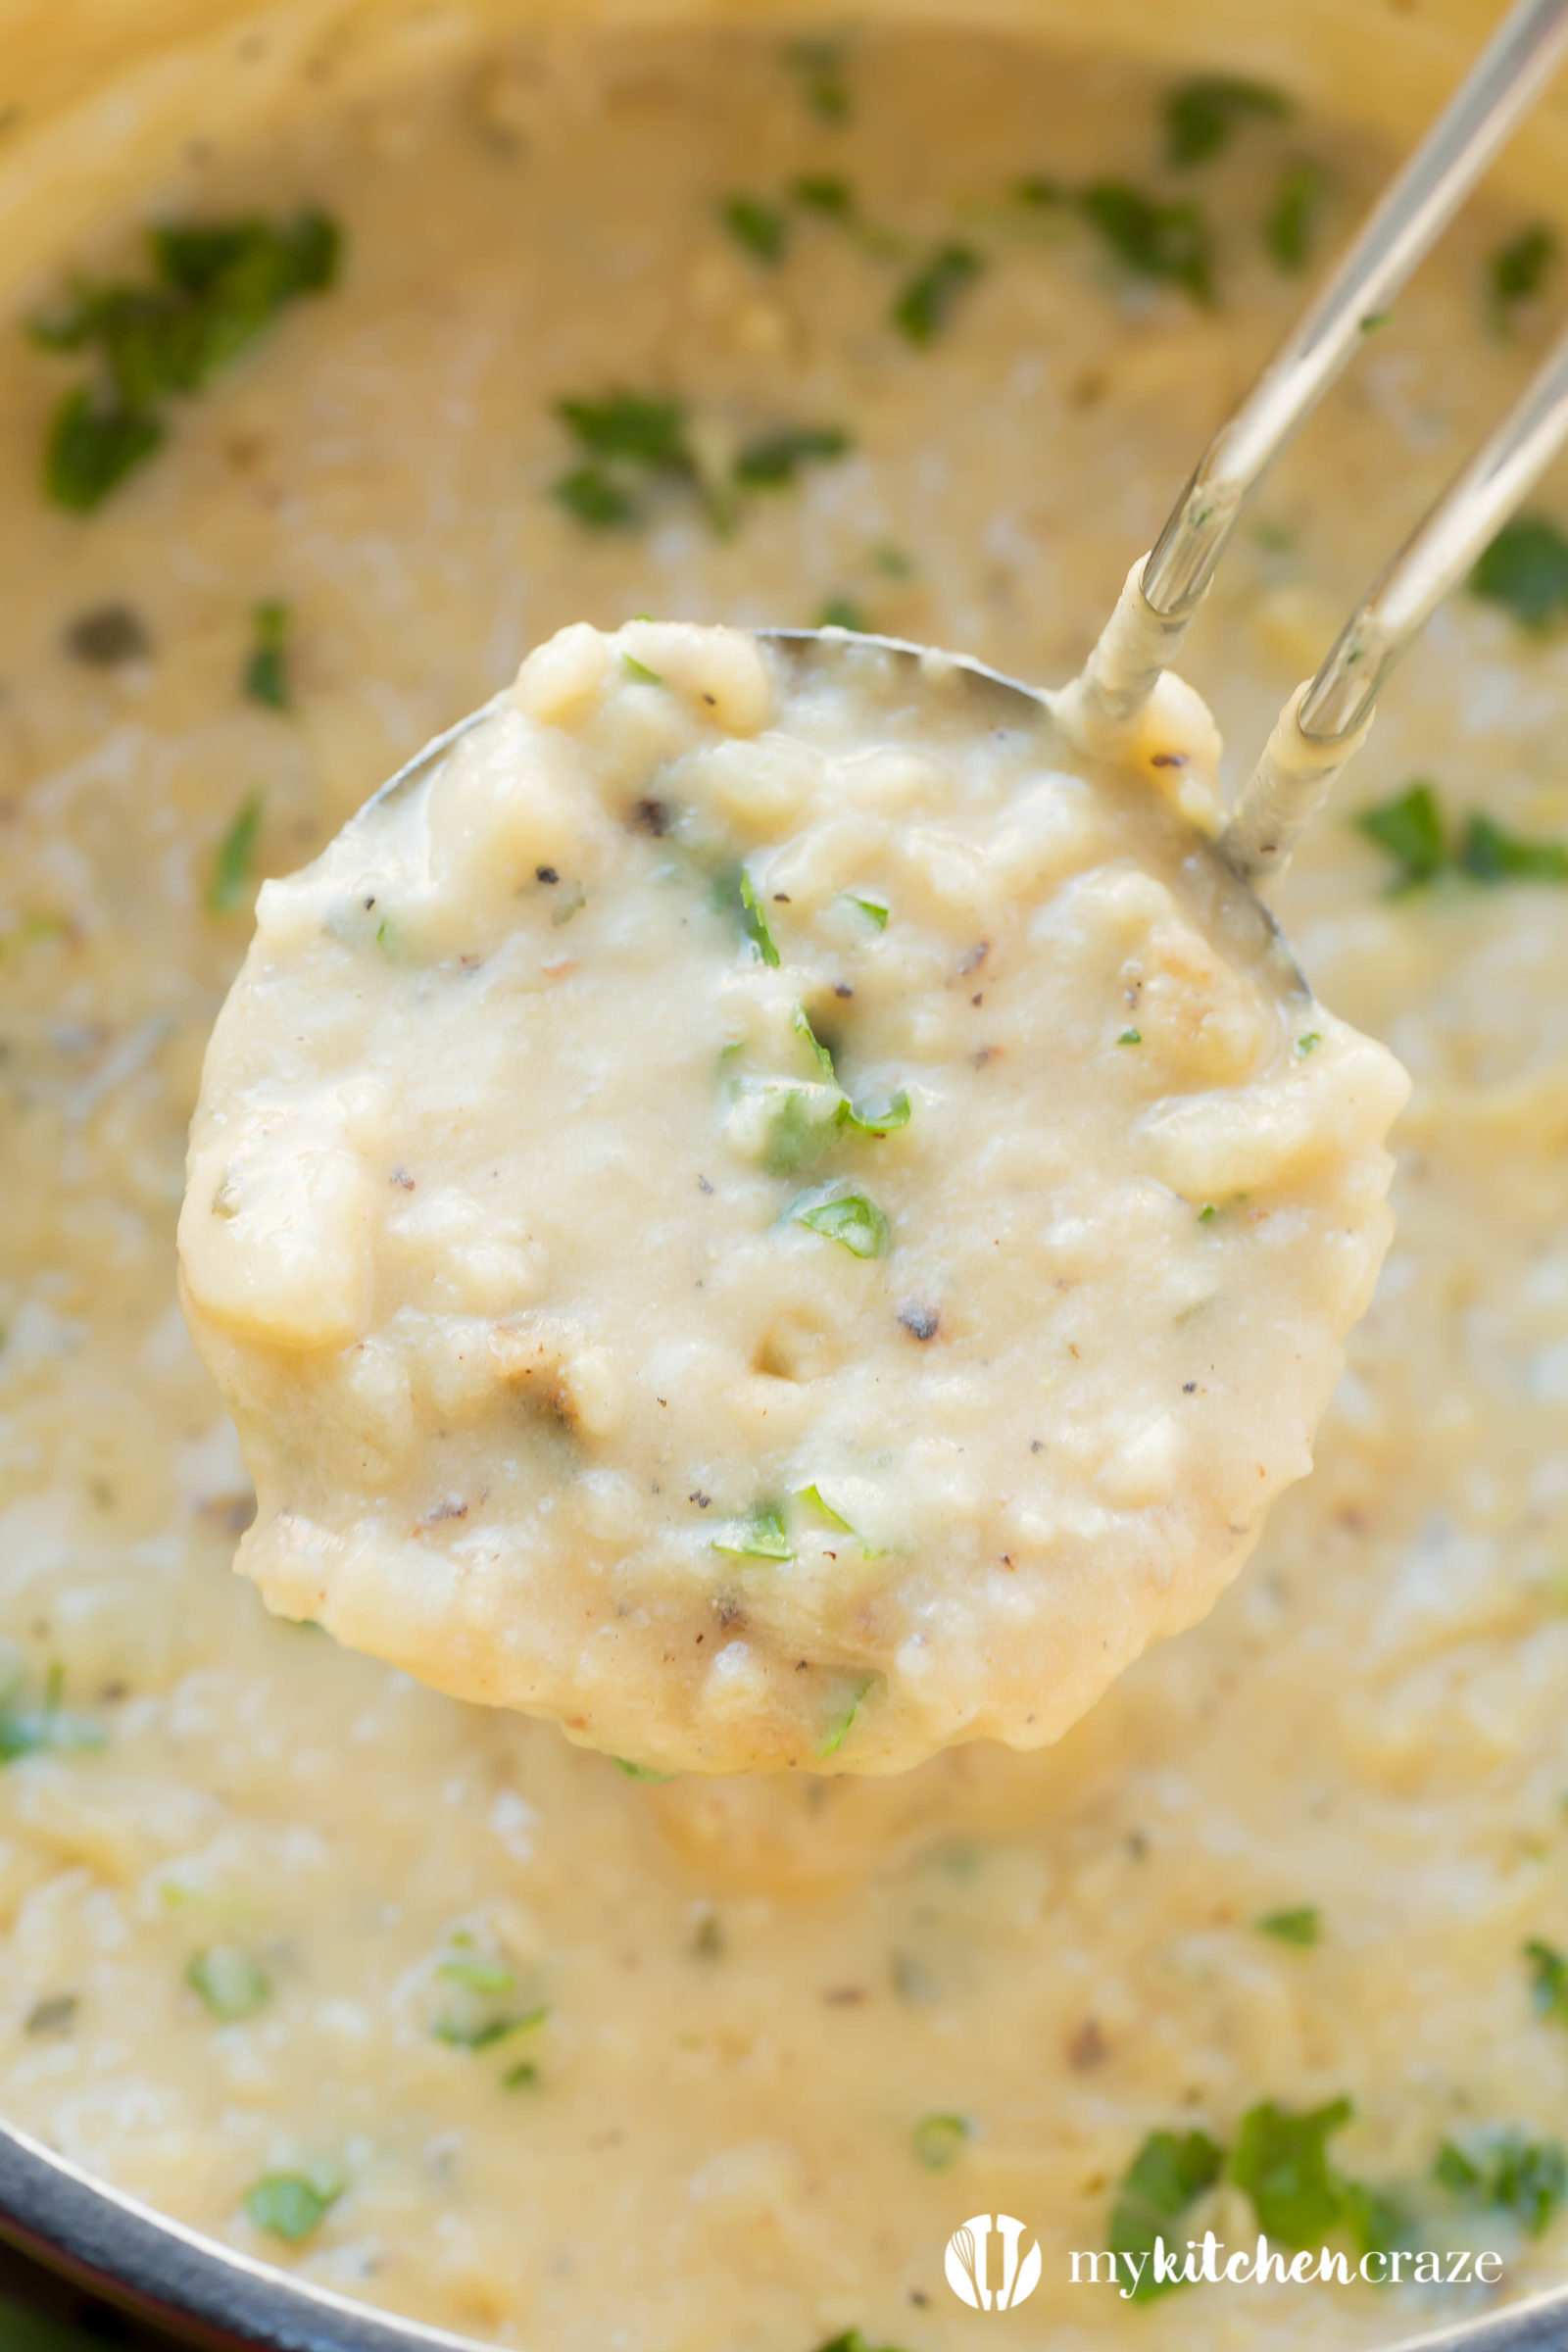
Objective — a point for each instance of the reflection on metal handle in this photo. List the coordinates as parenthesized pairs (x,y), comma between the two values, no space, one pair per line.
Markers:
(1326,720)
(1406,225)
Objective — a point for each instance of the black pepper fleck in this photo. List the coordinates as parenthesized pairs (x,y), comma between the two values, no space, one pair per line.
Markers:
(921,1322)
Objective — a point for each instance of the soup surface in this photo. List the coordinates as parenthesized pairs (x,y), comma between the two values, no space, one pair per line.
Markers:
(918,330)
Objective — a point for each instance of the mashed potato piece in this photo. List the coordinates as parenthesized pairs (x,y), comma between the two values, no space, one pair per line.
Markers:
(765,1206)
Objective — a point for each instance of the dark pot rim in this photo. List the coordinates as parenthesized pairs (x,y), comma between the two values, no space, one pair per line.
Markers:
(215,2296)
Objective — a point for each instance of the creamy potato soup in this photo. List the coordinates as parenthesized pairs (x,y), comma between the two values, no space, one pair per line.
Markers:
(918,331)
(873,1437)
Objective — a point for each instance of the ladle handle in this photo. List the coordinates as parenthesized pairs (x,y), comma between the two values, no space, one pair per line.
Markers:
(1159,600)
(1327,718)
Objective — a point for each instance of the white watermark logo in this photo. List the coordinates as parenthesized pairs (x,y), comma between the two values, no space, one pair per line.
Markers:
(988,2281)
(1151,2271)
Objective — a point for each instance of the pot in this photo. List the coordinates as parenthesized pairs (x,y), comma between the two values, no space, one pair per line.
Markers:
(91,91)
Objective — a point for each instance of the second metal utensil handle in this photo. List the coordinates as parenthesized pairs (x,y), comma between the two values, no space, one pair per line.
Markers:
(1160,601)
(1326,720)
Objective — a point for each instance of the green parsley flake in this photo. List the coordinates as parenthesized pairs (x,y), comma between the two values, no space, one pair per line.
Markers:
(1290,230)
(938,2140)
(763,1535)
(1310,1043)
(639,672)
(214,288)
(229,1982)
(820,1058)
(821,193)
(1165,242)
(35,1731)
(818,1502)
(1526,568)
(290,2205)
(1130,1037)
(1518,271)
(236,855)
(1548,1979)
(843,612)
(266,678)
(1281,2160)
(1409,828)
(1208,1213)
(839,1729)
(1202,116)
(847,1217)
(755,920)
(758,225)
(773,462)
(926,302)
(820,65)
(1303,1927)
(631,440)
(648,1772)
(1527,2179)
(477,1976)
(1488,853)
(594,499)
(877,910)
(1167,2173)
(888,1121)
(93,443)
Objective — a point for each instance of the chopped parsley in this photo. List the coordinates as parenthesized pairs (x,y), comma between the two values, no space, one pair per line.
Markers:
(1487,852)
(639,672)
(592,498)
(1281,2162)
(838,1730)
(888,1121)
(1525,2177)
(1131,1037)
(92,446)
(818,1502)
(1304,1925)
(803,1122)
(290,2205)
(630,440)
(843,612)
(477,1976)
(214,288)
(774,462)
(1518,271)
(820,1058)
(648,1772)
(266,677)
(229,1982)
(820,192)
(1310,1043)
(235,856)
(1526,568)
(754,918)
(30,1730)
(757,225)
(841,1215)
(761,1536)
(1290,230)
(1168,2172)
(1202,116)
(819,67)
(1548,1979)
(1165,242)
(1410,828)
(925,303)
(938,2140)
(876,910)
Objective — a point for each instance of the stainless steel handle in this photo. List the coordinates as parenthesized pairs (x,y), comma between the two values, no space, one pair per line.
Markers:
(1326,720)
(1159,600)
